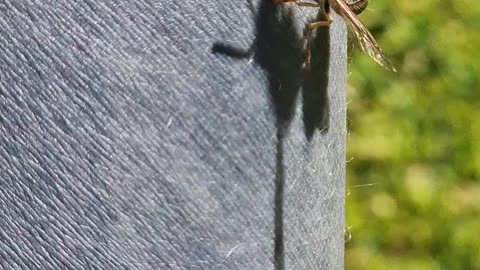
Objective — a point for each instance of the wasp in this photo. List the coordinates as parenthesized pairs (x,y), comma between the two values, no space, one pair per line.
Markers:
(349,12)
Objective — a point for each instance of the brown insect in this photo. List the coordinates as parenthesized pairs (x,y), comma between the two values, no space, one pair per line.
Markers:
(348,11)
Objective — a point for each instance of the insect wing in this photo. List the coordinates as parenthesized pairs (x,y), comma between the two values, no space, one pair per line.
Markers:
(366,40)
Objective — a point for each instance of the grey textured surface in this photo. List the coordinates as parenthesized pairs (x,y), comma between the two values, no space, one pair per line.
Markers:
(169,135)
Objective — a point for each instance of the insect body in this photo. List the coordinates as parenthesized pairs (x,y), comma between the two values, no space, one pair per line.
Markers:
(348,11)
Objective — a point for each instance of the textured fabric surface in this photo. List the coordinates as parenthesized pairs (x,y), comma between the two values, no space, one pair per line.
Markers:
(169,135)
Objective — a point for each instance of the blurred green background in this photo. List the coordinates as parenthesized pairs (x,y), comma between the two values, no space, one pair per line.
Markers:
(413,144)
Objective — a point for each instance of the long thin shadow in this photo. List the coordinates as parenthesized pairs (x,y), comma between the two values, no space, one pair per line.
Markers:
(279,49)
(279,243)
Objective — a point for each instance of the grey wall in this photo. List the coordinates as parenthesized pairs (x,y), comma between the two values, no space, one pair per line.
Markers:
(169,135)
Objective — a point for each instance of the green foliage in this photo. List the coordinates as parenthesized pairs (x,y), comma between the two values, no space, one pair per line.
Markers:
(415,136)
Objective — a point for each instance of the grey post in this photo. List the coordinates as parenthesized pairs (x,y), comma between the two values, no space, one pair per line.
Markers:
(170,134)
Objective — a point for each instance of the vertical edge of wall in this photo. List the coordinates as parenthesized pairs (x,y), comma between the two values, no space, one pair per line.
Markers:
(314,160)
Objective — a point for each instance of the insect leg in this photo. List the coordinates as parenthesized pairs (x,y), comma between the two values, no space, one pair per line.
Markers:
(299,3)
(308,35)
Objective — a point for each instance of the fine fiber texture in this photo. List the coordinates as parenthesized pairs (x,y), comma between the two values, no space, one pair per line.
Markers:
(170,134)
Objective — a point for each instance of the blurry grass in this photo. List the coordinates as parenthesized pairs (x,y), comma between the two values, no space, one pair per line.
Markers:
(415,135)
